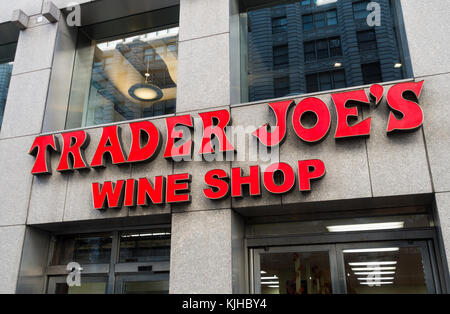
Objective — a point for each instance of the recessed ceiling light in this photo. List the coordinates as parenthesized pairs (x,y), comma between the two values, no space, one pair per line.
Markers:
(373,263)
(377,278)
(337,65)
(366,227)
(377,283)
(266,278)
(270,283)
(274,286)
(263,272)
(373,268)
(375,273)
(398,65)
(383,249)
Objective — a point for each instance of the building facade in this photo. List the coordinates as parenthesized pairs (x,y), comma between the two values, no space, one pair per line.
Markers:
(224,146)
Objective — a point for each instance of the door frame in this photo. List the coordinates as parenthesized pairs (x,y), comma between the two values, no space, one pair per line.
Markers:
(426,235)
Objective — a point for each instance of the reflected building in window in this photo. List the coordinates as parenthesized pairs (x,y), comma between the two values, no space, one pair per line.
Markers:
(312,45)
(5,78)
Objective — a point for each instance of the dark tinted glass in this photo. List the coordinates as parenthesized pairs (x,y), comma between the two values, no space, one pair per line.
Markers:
(330,45)
(5,77)
(145,246)
(83,249)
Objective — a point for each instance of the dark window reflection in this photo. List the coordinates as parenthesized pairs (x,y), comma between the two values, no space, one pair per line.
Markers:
(319,45)
(83,249)
(5,77)
(145,246)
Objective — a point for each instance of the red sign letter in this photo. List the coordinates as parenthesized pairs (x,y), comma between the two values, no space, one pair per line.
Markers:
(181,151)
(109,143)
(178,183)
(222,117)
(322,126)
(288,178)
(219,187)
(73,143)
(108,195)
(39,150)
(150,148)
(130,193)
(341,101)
(277,136)
(410,110)
(306,174)
(156,193)
(253,180)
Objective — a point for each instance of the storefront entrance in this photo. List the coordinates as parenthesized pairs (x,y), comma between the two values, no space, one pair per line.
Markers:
(396,267)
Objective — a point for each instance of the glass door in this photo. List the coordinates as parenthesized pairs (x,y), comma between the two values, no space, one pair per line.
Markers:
(142,284)
(397,267)
(394,267)
(295,270)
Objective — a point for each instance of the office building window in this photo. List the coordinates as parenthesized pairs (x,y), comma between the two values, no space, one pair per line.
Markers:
(360,10)
(318,20)
(279,25)
(325,81)
(322,49)
(367,40)
(280,56)
(129,78)
(281,86)
(5,78)
(371,73)
(321,57)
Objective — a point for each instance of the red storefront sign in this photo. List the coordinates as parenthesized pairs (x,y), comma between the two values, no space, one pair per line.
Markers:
(405,115)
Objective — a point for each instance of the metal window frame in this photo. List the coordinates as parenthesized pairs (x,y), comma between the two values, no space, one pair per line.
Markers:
(426,238)
(114,268)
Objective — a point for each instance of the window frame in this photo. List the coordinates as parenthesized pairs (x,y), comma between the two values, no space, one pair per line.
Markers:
(331,74)
(329,49)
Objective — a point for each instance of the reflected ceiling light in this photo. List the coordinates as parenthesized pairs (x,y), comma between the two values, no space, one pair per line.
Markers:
(375,273)
(398,65)
(267,278)
(145,91)
(274,286)
(377,278)
(366,227)
(337,64)
(270,283)
(373,268)
(372,263)
(323,2)
(377,283)
(384,249)
(263,272)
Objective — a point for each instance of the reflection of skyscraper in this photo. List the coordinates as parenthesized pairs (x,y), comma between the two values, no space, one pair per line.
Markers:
(302,47)
(5,77)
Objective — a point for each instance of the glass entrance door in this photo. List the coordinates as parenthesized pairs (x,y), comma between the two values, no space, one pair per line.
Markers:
(142,284)
(295,270)
(397,267)
(386,267)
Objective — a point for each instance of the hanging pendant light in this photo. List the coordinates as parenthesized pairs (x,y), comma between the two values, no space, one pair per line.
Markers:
(145,91)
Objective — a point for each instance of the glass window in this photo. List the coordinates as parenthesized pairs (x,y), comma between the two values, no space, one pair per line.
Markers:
(295,273)
(145,246)
(281,86)
(360,10)
(325,81)
(367,40)
(320,50)
(371,73)
(83,249)
(386,270)
(279,25)
(128,78)
(5,78)
(280,56)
